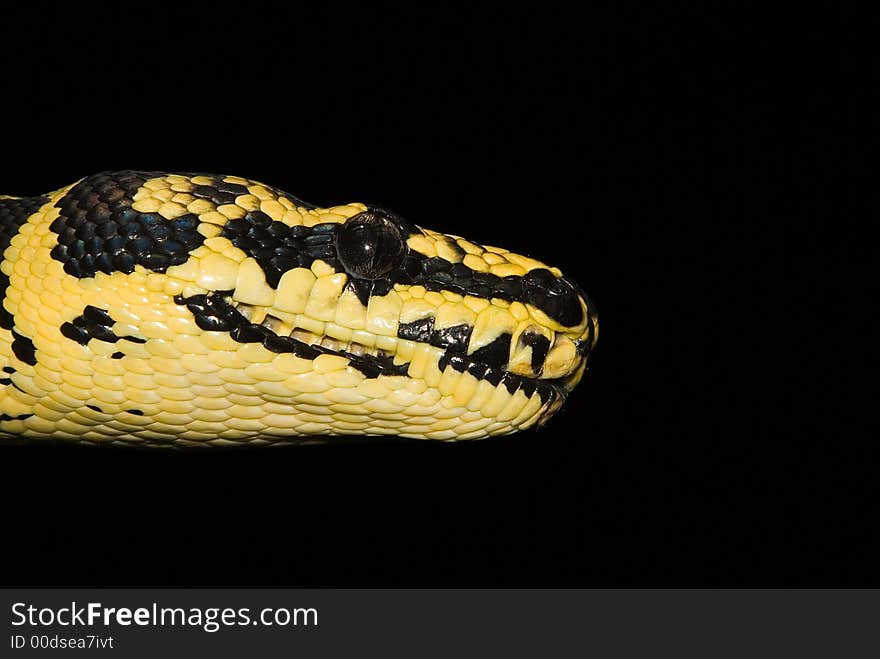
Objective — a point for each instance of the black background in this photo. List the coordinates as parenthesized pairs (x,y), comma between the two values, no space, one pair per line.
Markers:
(648,153)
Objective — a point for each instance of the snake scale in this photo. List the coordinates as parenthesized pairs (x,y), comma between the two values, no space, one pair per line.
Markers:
(156,309)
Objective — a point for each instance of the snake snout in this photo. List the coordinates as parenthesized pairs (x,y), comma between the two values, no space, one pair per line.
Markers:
(556,296)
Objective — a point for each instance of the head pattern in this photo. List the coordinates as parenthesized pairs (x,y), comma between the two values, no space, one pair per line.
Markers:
(197,309)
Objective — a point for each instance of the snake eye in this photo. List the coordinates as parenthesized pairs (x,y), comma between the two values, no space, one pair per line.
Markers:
(369,245)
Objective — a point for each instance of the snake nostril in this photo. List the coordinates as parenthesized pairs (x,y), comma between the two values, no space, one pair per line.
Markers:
(555,296)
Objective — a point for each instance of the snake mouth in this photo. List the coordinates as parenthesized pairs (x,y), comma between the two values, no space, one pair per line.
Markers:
(391,361)
(375,355)
(373,361)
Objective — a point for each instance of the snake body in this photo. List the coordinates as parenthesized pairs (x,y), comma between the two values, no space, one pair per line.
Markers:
(179,309)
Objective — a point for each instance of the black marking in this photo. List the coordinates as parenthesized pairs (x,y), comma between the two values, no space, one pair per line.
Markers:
(20,417)
(457,362)
(95,408)
(248,333)
(99,231)
(494,354)
(373,367)
(511,382)
(434,265)
(546,389)
(5,381)
(528,387)
(437,274)
(540,346)
(212,313)
(419,330)
(136,412)
(555,296)
(74,333)
(94,323)
(8,369)
(220,192)
(362,288)
(583,346)
(215,313)
(117,355)
(97,316)
(493,376)
(278,248)
(454,339)
(13,214)
(24,348)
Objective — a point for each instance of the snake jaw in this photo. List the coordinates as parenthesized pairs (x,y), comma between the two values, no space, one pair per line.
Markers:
(170,308)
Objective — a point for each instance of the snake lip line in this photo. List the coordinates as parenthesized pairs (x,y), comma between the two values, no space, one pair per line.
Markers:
(549,390)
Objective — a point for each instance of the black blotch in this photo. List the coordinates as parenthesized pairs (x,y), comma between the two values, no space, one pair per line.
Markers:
(454,339)
(74,333)
(540,346)
(20,417)
(6,319)
(511,382)
(117,355)
(277,247)
(509,288)
(94,323)
(528,387)
(461,271)
(545,392)
(363,289)
(434,265)
(97,316)
(99,231)
(381,286)
(136,412)
(247,333)
(8,369)
(13,213)
(280,344)
(214,194)
(95,408)
(5,381)
(494,354)
(493,376)
(24,348)
(212,313)
(372,366)
(457,362)
(418,330)
(555,296)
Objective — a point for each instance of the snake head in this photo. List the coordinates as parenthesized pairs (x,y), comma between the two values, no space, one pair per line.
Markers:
(233,311)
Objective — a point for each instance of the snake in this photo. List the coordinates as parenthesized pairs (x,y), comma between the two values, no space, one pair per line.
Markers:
(159,309)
